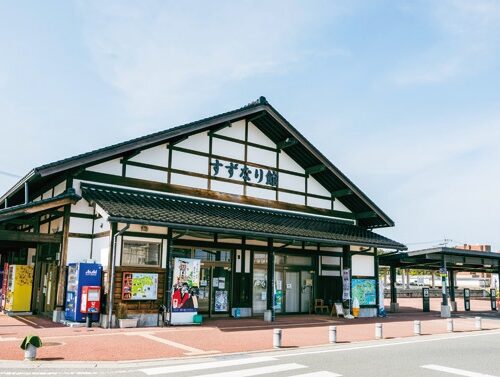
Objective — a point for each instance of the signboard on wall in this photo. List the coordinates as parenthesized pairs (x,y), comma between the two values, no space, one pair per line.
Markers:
(139,286)
(346,284)
(365,291)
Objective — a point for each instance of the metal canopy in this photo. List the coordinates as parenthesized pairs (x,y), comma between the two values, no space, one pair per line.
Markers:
(432,259)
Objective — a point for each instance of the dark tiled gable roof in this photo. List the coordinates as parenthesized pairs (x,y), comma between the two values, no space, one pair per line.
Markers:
(154,208)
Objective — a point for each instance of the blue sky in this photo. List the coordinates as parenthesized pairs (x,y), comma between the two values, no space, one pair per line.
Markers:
(402,96)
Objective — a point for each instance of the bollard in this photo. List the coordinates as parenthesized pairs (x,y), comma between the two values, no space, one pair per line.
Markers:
(378,331)
(277,338)
(479,324)
(332,334)
(449,324)
(417,328)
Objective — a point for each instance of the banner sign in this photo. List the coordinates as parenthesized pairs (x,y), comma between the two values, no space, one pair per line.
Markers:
(346,283)
(139,286)
(186,284)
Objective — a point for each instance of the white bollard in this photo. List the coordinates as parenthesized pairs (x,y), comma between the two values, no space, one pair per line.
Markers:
(277,338)
(417,328)
(479,324)
(332,334)
(378,331)
(449,324)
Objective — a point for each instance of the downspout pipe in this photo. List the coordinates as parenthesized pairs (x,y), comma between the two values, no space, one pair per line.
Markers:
(112,283)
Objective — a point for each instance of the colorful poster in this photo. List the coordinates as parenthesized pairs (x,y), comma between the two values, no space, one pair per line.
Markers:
(139,286)
(365,291)
(278,299)
(186,285)
(221,304)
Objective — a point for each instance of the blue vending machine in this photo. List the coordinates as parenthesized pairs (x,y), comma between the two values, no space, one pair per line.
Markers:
(80,274)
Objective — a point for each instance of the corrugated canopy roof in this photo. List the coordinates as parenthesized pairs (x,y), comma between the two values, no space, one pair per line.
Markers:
(143,207)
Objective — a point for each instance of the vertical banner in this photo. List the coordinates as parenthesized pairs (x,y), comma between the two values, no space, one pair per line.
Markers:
(186,283)
(346,284)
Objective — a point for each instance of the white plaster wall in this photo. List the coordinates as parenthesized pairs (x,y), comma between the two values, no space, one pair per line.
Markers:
(287,163)
(189,162)
(109,167)
(314,187)
(164,254)
(47,194)
(363,265)
(79,225)
(258,137)
(155,156)
(82,206)
(78,249)
(332,261)
(199,142)
(237,130)
(101,225)
(151,229)
(146,174)
(60,188)
(189,181)
(291,182)
(338,206)
(56,225)
(319,203)
(291,198)
(261,193)
(228,149)
(227,187)
(44,228)
(335,249)
(100,250)
(31,254)
(261,156)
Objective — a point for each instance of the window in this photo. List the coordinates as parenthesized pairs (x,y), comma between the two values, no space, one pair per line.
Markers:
(141,253)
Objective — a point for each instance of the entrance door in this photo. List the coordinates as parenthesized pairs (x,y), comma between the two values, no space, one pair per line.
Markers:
(292,289)
(214,292)
(306,291)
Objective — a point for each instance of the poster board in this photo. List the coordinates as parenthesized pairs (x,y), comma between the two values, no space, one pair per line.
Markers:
(185,290)
(365,291)
(139,286)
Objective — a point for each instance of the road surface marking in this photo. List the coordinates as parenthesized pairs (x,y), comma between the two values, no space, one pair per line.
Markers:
(209,365)
(322,373)
(458,372)
(6,339)
(256,371)
(169,343)
(29,373)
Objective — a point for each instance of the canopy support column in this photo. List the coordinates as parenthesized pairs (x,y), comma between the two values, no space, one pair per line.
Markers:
(394,296)
(445,309)
(451,279)
(270,280)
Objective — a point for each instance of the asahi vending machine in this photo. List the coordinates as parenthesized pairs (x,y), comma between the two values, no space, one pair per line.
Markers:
(79,275)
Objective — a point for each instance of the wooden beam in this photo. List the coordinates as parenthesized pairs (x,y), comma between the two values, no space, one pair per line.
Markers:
(17,236)
(315,169)
(288,142)
(219,127)
(341,193)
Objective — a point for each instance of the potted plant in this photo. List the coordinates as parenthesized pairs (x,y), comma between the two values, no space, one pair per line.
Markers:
(29,345)
(122,316)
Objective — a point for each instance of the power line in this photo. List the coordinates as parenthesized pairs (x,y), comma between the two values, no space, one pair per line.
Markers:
(9,174)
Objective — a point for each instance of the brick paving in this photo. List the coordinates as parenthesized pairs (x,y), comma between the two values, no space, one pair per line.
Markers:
(225,335)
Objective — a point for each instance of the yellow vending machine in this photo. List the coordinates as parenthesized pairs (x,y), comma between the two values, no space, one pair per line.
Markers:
(19,285)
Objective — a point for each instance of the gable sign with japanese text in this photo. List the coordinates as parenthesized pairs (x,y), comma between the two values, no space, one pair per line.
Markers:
(245,173)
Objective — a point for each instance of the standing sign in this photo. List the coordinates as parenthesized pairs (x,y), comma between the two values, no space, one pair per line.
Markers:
(346,283)
(425,299)
(493,298)
(186,282)
(467,299)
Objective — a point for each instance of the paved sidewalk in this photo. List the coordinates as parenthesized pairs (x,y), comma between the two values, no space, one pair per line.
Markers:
(226,335)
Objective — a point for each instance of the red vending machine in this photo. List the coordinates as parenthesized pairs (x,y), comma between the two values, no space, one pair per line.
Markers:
(90,301)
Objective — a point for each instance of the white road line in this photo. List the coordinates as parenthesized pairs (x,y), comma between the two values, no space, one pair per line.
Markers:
(256,371)
(170,343)
(322,373)
(209,365)
(458,372)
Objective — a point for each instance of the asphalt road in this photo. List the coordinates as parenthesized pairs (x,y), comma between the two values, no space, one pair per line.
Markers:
(473,354)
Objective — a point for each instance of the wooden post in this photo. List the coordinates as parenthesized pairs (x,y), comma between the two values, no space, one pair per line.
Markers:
(63,258)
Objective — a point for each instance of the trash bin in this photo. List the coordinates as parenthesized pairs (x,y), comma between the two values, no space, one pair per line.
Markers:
(268,316)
